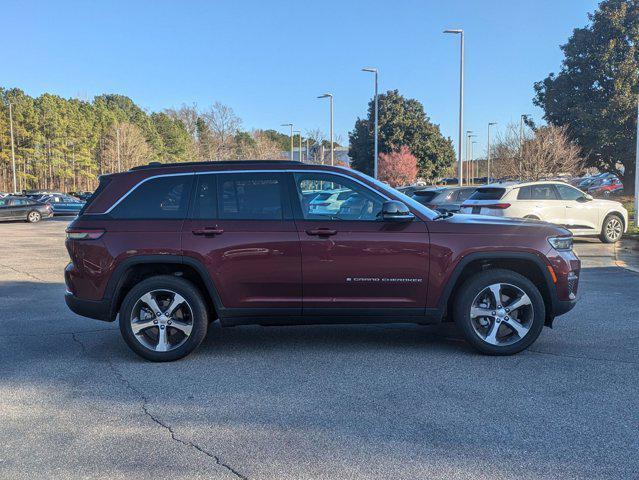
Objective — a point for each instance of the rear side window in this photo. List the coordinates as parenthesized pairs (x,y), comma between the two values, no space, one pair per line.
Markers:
(163,198)
(251,196)
(543,192)
(464,194)
(205,203)
(490,193)
(104,181)
(425,196)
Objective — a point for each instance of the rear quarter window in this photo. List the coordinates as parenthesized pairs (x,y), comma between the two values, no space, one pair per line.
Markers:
(163,198)
(488,194)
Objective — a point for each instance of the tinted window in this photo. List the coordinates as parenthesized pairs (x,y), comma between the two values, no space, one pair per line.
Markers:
(490,193)
(464,194)
(205,204)
(354,202)
(542,192)
(568,193)
(164,198)
(251,196)
(524,193)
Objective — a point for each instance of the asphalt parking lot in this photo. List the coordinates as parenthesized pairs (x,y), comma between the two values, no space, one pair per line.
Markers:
(327,402)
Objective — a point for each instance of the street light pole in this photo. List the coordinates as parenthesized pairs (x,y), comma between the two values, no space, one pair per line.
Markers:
(290,125)
(466,149)
(460,172)
(13,152)
(330,96)
(521,141)
(298,132)
(472,164)
(375,151)
(490,124)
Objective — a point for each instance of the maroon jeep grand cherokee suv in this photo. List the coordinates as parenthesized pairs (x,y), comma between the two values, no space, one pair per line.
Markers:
(171,248)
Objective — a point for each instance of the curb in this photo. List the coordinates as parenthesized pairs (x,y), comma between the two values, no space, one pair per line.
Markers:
(635,248)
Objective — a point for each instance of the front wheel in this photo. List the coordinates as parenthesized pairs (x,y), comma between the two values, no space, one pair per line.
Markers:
(612,229)
(500,312)
(163,318)
(34,216)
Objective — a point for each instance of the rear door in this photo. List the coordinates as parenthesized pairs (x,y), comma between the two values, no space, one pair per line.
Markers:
(242,230)
(541,201)
(352,262)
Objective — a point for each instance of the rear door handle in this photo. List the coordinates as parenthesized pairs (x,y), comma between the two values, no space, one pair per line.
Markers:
(321,232)
(208,231)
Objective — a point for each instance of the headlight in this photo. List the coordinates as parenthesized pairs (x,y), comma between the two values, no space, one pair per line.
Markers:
(561,243)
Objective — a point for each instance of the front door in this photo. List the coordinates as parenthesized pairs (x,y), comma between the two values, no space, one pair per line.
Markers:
(242,230)
(352,262)
(581,214)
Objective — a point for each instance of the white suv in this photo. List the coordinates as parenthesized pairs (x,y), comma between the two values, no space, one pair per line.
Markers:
(554,202)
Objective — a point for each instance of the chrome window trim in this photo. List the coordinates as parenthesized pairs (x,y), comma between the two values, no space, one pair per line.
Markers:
(329,172)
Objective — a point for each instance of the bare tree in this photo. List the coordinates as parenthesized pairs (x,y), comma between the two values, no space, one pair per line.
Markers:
(545,152)
(133,147)
(222,126)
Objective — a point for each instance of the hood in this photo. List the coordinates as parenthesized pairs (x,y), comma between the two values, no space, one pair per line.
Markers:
(482,224)
(608,204)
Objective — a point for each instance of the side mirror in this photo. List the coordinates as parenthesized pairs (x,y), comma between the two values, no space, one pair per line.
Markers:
(394,211)
(586,198)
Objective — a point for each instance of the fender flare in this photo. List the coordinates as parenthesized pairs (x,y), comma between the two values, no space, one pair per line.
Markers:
(118,276)
(501,255)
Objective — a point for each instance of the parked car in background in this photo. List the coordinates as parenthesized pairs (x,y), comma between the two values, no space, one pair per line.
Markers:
(63,204)
(554,202)
(81,195)
(329,201)
(588,182)
(23,208)
(604,187)
(444,199)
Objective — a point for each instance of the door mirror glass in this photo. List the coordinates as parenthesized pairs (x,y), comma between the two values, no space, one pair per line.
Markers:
(394,211)
(585,198)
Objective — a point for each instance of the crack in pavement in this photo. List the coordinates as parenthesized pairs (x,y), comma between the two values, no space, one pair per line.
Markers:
(24,335)
(145,409)
(580,357)
(23,273)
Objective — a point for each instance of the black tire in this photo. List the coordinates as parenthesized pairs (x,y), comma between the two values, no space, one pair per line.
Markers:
(199,319)
(479,282)
(606,236)
(34,216)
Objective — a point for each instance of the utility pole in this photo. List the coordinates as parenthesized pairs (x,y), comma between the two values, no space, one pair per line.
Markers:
(307,150)
(117,136)
(637,171)
(460,172)
(13,152)
(521,141)
(298,132)
(490,124)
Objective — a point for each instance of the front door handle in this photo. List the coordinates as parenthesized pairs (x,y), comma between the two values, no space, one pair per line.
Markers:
(321,232)
(208,231)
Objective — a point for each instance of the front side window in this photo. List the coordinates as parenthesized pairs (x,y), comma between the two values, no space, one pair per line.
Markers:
(163,198)
(569,193)
(255,196)
(324,196)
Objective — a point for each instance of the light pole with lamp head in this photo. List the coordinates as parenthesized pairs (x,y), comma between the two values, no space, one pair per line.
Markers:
(375,148)
(291,126)
(330,96)
(460,172)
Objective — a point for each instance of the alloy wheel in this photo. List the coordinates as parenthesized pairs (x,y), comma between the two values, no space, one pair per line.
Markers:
(614,229)
(501,314)
(33,217)
(162,320)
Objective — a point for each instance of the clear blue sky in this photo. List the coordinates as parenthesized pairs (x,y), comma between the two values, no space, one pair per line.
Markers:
(268,60)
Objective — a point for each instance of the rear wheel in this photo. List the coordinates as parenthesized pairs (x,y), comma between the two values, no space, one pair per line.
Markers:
(611,229)
(500,312)
(34,216)
(163,318)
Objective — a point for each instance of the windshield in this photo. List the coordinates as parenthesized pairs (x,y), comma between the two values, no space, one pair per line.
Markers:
(414,204)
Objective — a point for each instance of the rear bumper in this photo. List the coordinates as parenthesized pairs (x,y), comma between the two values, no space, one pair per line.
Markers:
(96,309)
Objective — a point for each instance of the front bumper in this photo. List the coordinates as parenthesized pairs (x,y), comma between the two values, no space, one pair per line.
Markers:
(96,309)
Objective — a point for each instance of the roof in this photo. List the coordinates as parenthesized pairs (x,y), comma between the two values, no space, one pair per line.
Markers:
(521,184)
(216,163)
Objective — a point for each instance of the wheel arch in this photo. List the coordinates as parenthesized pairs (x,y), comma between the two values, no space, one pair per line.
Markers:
(529,265)
(134,269)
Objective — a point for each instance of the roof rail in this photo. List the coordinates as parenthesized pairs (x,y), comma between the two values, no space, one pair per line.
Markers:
(212,162)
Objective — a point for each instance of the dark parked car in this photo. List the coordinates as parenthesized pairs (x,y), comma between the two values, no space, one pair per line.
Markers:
(170,248)
(444,199)
(63,204)
(23,208)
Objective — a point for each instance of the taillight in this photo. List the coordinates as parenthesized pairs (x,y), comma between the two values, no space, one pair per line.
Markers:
(84,234)
(500,206)
(48,206)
